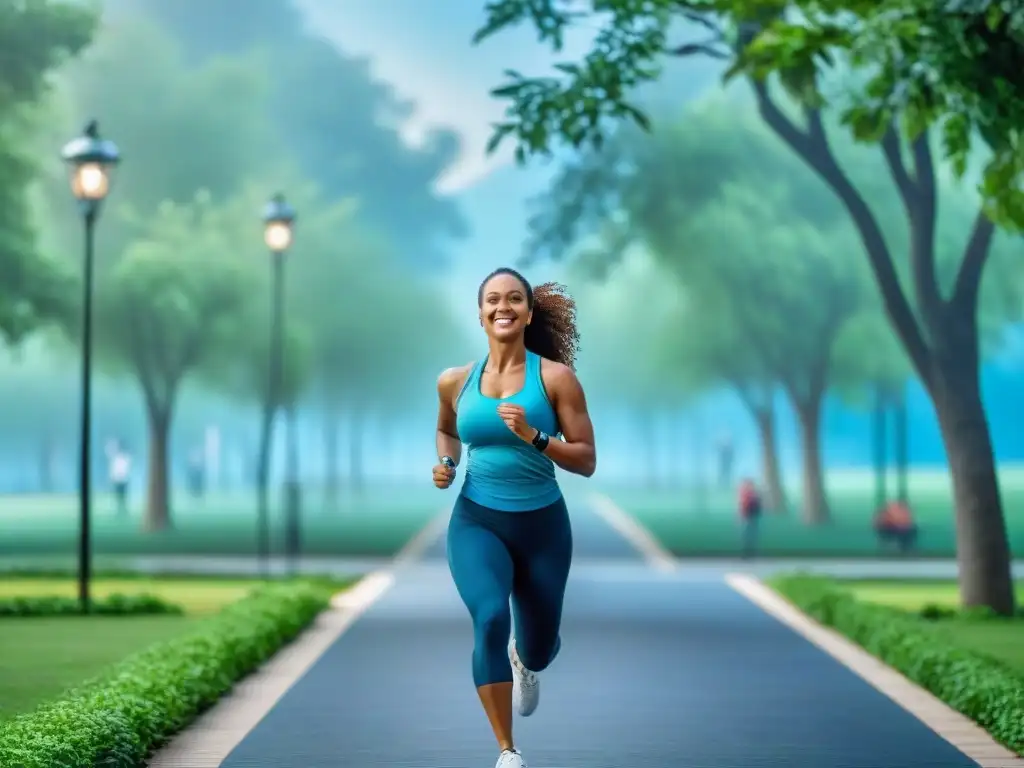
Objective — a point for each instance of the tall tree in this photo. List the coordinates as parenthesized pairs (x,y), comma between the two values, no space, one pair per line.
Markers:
(739,219)
(166,310)
(708,343)
(619,347)
(356,298)
(800,51)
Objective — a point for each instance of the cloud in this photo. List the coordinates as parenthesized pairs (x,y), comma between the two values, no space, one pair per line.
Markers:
(424,50)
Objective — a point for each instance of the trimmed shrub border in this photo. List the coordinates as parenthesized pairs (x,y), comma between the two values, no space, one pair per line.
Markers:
(979,687)
(111,605)
(118,719)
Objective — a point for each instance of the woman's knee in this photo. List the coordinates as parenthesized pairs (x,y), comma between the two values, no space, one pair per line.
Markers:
(537,652)
(492,623)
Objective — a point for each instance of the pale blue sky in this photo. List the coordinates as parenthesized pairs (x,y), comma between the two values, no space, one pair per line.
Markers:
(424,50)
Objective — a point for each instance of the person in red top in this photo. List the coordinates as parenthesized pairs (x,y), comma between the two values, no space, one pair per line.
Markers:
(750,513)
(895,523)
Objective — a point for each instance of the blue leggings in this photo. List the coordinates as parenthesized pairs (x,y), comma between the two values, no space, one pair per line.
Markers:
(526,555)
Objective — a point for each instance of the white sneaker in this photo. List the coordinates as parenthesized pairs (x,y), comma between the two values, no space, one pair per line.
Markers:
(511,758)
(525,684)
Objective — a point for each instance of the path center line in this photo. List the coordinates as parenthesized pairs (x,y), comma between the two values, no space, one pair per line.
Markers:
(634,532)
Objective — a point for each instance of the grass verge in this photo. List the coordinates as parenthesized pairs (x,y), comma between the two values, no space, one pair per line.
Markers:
(114,604)
(939,602)
(117,718)
(42,657)
(930,652)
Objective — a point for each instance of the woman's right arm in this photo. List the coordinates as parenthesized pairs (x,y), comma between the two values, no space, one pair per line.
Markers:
(449,384)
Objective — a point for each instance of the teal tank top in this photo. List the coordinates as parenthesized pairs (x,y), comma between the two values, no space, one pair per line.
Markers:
(502,471)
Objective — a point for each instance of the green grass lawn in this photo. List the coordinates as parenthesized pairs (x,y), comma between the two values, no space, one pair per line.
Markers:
(42,657)
(999,639)
(376,523)
(705,525)
(912,595)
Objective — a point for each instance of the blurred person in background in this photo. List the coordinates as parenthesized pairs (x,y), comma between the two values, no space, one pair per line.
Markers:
(509,534)
(894,523)
(750,515)
(120,471)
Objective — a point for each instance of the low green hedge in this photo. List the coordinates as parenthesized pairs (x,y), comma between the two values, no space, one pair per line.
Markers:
(981,688)
(111,605)
(117,720)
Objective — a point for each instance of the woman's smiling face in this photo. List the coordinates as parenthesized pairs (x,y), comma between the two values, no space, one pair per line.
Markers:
(504,309)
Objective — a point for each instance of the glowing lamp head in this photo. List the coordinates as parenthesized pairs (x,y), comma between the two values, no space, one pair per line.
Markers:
(278,224)
(91,161)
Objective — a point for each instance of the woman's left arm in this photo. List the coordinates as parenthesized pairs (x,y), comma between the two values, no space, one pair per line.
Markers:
(576,453)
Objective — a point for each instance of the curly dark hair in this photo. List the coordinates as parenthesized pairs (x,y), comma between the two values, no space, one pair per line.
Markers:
(552,333)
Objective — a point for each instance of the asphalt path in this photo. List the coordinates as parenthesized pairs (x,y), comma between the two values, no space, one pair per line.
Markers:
(657,670)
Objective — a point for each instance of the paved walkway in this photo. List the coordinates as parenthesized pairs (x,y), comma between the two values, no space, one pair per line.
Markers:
(604,550)
(659,670)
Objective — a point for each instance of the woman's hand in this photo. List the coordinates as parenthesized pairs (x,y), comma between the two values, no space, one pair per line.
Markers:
(514,417)
(444,476)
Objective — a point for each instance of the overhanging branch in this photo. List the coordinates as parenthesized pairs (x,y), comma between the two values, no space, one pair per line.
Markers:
(968,280)
(893,154)
(809,144)
(922,234)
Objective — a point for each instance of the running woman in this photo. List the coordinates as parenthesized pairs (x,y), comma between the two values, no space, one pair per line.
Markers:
(520,411)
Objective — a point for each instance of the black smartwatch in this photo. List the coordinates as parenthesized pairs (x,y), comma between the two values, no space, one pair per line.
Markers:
(540,441)
(448,461)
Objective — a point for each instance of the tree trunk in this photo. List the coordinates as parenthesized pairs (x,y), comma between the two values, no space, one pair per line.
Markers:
(774,490)
(983,551)
(946,357)
(902,447)
(880,446)
(332,458)
(158,487)
(813,502)
(355,451)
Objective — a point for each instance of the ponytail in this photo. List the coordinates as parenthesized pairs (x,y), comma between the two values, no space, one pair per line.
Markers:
(552,332)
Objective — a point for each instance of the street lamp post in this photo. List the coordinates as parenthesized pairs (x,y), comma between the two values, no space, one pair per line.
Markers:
(90,161)
(278,229)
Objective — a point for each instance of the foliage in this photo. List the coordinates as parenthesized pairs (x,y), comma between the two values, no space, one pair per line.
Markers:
(355,299)
(170,302)
(110,605)
(707,343)
(117,720)
(737,221)
(35,39)
(718,202)
(206,131)
(952,65)
(619,357)
(340,124)
(980,688)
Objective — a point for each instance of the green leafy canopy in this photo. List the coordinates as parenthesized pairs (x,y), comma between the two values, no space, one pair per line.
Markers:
(953,64)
